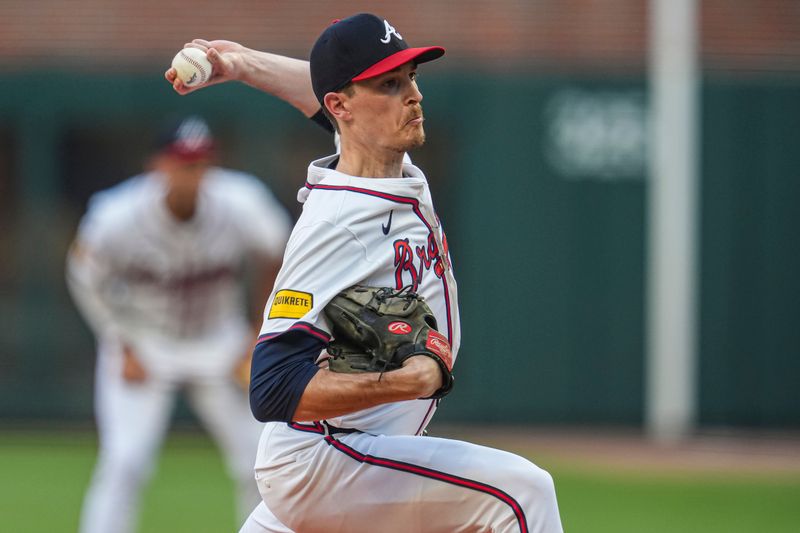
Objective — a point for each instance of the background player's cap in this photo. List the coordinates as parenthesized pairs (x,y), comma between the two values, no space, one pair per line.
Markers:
(360,47)
(188,138)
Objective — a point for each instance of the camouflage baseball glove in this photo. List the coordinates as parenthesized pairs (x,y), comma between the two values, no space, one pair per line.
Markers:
(375,329)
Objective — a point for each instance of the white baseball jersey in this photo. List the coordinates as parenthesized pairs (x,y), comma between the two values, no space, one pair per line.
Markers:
(379,232)
(151,279)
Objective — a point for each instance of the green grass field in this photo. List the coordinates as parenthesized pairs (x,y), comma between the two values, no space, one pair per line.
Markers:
(44,476)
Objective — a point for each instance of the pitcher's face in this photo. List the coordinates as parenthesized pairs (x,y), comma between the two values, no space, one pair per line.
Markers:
(386,110)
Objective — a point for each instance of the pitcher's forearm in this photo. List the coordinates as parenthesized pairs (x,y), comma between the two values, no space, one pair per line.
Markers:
(284,77)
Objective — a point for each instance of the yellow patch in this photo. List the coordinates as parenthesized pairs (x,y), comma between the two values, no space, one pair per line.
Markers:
(291,304)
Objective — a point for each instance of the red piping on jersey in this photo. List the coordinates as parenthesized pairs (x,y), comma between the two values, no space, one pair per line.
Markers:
(314,427)
(422,471)
(414,203)
(302,326)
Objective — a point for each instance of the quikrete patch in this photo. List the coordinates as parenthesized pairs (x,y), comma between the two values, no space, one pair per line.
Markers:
(291,304)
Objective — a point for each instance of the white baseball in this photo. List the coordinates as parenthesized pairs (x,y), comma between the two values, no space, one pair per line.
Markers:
(192,66)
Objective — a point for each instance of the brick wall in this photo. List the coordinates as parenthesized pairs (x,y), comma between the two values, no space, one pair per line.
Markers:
(491,34)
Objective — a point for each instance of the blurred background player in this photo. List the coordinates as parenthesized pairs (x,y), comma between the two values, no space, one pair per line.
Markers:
(158,269)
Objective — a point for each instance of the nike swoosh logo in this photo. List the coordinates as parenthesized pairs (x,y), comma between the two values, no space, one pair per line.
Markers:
(385,227)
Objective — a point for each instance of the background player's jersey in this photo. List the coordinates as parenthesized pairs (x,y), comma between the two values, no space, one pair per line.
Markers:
(145,273)
(380,232)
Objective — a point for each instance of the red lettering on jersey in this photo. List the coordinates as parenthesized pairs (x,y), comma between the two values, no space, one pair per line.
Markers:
(404,262)
(428,257)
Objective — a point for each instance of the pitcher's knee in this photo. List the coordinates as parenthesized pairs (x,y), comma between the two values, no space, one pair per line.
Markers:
(531,484)
(525,477)
(538,498)
(542,482)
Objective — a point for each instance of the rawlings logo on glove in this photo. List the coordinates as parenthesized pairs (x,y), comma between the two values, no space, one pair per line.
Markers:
(375,329)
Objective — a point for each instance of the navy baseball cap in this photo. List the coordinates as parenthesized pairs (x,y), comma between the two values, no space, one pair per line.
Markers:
(358,48)
(188,138)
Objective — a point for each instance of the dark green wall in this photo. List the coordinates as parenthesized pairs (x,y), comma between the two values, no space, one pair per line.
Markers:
(549,255)
(549,268)
(750,317)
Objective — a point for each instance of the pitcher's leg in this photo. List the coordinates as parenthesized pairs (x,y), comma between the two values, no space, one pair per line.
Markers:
(351,483)
(467,487)
(261,520)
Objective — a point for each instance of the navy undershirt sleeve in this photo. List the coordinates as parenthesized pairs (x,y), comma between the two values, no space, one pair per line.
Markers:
(281,369)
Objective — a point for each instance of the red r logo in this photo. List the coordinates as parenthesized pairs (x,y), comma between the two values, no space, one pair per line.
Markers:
(399,328)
